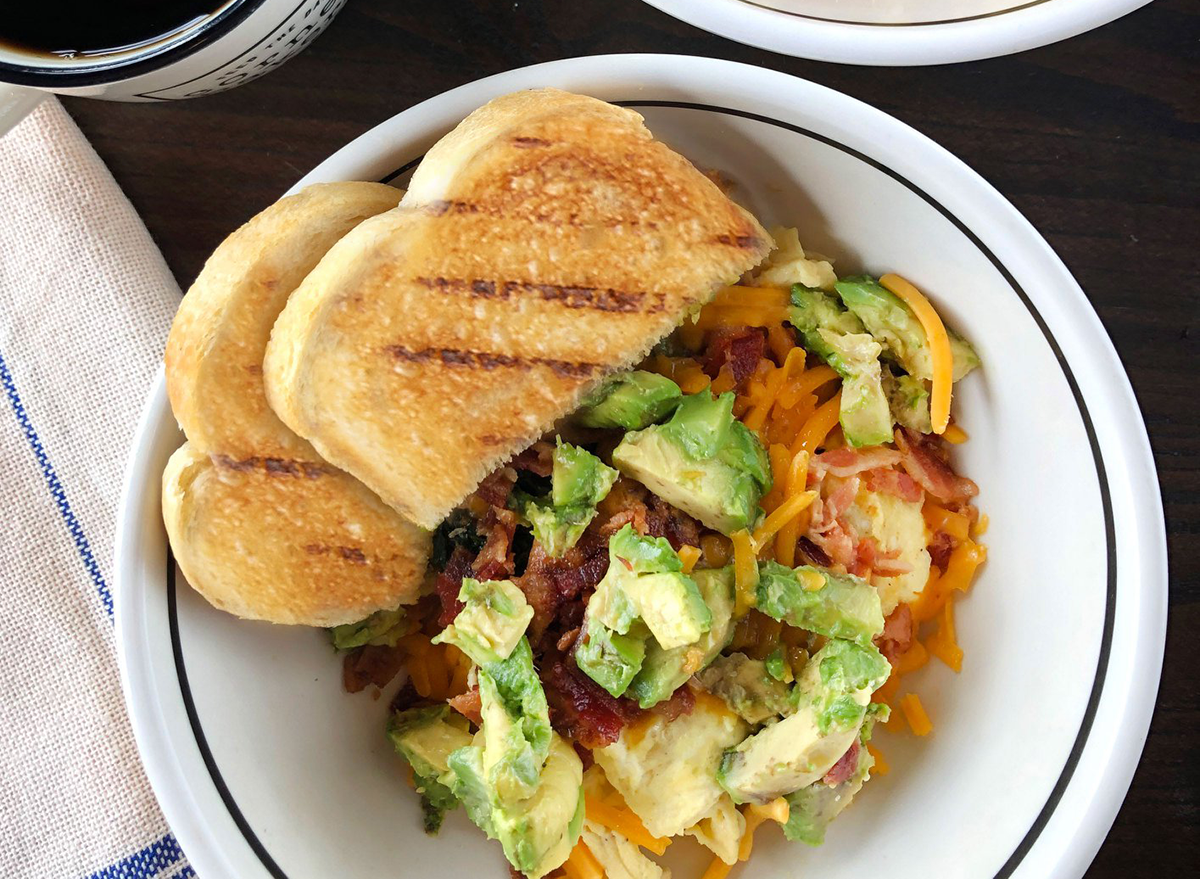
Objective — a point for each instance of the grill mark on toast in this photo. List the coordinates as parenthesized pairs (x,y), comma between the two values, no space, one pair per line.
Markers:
(487,360)
(352,554)
(746,242)
(271,466)
(571,296)
(530,142)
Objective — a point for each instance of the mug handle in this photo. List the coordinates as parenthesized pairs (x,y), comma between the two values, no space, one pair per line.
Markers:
(16,102)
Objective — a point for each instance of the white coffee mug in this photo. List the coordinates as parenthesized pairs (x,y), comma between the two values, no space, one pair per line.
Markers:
(239,41)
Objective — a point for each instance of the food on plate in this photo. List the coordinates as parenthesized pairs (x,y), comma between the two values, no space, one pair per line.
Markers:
(690,493)
(726,556)
(546,242)
(259,523)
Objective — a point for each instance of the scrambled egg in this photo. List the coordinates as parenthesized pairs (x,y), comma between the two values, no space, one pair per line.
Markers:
(667,771)
(619,857)
(721,830)
(788,264)
(897,525)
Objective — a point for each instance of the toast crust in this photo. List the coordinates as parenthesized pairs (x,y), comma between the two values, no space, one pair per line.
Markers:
(260,524)
(546,242)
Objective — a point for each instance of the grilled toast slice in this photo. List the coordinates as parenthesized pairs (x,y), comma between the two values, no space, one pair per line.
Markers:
(544,243)
(259,523)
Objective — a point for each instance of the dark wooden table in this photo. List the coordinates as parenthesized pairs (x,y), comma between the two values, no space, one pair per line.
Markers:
(1096,140)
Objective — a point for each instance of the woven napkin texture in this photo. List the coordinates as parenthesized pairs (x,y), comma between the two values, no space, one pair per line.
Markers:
(85,303)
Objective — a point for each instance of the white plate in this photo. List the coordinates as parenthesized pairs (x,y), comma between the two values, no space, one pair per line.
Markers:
(264,767)
(897,33)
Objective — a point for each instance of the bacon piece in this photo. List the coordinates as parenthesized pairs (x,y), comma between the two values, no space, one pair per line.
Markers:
(581,709)
(924,460)
(469,705)
(664,520)
(834,504)
(555,588)
(814,553)
(625,504)
(837,544)
(864,557)
(495,560)
(371,664)
(897,635)
(682,701)
(893,482)
(844,768)
(845,462)
(888,567)
(449,582)
(537,459)
(567,640)
(585,757)
(496,487)
(940,547)
(739,347)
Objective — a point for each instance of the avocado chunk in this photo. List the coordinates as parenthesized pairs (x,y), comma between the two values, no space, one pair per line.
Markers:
(492,621)
(519,781)
(645,597)
(426,737)
(382,628)
(893,324)
(610,659)
(666,769)
(702,461)
(839,338)
(579,481)
(864,413)
(811,808)
(843,606)
(630,400)
(832,694)
(663,671)
(747,688)
(908,398)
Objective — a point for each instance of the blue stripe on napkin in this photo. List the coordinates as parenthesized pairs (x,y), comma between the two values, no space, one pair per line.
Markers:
(155,861)
(56,488)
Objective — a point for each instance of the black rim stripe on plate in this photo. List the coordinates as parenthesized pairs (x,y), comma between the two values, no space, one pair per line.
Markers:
(894,24)
(1089,715)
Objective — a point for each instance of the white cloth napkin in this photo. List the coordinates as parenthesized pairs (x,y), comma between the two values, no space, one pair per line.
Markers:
(85,303)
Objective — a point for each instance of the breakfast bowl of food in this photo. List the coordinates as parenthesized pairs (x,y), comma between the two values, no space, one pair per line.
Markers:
(622,467)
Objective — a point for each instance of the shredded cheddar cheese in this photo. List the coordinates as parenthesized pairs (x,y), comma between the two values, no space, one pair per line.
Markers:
(914,713)
(745,572)
(689,555)
(626,823)
(582,864)
(940,519)
(881,766)
(955,435)
(943,643)
(817,428)
(717,869)
(980,527)
(939,348)
(755,815)
(780,516)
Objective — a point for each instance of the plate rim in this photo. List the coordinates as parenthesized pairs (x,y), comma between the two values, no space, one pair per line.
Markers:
(154,742)
(877,44)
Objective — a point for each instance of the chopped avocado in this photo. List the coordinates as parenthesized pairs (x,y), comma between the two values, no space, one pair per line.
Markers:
(666,769)
(864,414)
(382,628)
(893,323)
(908,398)
(811,808)
(465,777)
(630,400)
(516,725)
(747,688)
(539,832)
(610,659)
(842,607)
(779,667)
(492,621)
(702,461)
(645,580)
(664,671)
(833,693)
(839,338)
(426,737)
(579,481)
(645,598)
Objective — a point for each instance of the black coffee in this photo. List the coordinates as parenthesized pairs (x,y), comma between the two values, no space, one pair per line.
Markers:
(73,28)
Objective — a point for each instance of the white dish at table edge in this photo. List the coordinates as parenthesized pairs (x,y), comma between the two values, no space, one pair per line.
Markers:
(254,787)
(967,36)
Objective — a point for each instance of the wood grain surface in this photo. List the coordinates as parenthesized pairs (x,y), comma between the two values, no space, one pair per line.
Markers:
(1096,140)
